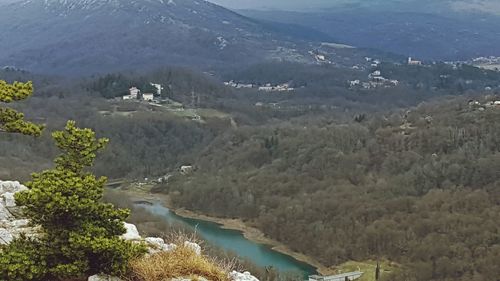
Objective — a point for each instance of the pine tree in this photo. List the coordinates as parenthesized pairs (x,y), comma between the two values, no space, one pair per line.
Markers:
(12,121)
(80,233)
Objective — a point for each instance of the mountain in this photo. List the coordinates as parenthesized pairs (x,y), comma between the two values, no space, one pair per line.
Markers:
(433,32)
(91,36)
(429,6)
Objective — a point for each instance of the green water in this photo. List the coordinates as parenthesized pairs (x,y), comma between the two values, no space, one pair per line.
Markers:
(234,241)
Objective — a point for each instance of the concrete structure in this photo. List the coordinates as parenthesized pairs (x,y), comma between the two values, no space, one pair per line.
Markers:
(148,97)
(413,62)
(340,277)
(186,170)
(134,92)
(266,88)
(244,86)
(320,57)
(238,85)
(285,87)
(354,83)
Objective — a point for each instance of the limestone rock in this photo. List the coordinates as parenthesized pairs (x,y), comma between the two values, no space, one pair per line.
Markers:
(103,278)
(159,245)
(8,198)
(21,223)
(193,246)
(10,226)
(11,187)
(132,233)
(4,213)
(245,276)
(6,236)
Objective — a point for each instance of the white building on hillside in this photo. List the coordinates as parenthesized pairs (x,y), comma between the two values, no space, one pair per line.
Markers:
(134,92)
(413,62)
(353,83)
(148,96)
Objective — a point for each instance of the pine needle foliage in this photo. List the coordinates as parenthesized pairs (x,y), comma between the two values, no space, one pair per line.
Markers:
(80,233)
(12,121)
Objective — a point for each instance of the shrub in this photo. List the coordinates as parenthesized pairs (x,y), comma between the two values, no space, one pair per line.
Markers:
(22,260)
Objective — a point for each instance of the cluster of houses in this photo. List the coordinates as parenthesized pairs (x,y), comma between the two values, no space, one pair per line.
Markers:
(268,87)
(184,170)
(474,104)
(490,63)
(320,58)
(285,87)
(136,94)
(373,62)
(375,80)
(239,85)
(489,60)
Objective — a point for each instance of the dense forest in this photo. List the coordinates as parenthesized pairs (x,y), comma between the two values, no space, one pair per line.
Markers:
(408,174)
(420,188)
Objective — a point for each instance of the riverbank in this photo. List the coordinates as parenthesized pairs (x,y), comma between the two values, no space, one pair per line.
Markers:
(253,234)
(249,232)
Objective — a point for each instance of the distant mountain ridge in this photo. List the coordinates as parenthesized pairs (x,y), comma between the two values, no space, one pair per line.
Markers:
(92,36)
(425,35)
(428,6)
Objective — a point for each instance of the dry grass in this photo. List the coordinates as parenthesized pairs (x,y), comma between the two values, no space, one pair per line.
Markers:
(182,262)
(369,267)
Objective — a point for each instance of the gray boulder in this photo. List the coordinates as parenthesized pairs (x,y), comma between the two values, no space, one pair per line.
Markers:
(193,246)
(245,276)
(132,232)
(11,226)
(102,277)
(158,245)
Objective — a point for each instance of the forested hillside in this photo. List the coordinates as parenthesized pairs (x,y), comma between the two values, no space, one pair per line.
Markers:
(144,139)
(408,174)
(420,188)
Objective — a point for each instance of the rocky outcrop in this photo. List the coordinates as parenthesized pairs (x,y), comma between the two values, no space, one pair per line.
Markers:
(102,277)
(156,245)
(245,276)
(235,276)
(132,233)
(193,246)
(11,226)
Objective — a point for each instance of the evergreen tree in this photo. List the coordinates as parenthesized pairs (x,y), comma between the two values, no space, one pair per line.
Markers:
(12,121)
(80,232)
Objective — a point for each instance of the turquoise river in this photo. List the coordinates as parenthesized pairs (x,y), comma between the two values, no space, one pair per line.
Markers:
(234,241)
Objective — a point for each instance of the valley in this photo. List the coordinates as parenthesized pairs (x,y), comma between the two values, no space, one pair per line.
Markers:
(355,138)
(381,168)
